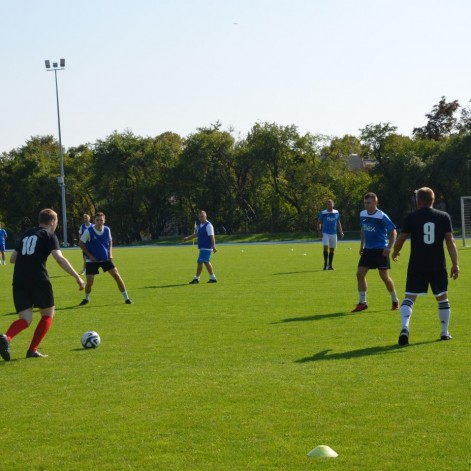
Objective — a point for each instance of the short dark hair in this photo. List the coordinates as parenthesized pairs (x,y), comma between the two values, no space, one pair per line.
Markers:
(371,195)
(425,195)
(46,216)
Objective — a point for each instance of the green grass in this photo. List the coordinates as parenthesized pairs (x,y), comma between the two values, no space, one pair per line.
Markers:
(248,374)
(249,237)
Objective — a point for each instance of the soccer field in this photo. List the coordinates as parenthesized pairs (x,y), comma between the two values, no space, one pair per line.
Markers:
(250,373)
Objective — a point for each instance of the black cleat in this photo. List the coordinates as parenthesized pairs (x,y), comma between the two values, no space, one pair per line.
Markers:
(128,301)
(84,302)
(194,281)
(36,354)
(330,267)
(403,337)
(445,337)
(4,347)
(212,281)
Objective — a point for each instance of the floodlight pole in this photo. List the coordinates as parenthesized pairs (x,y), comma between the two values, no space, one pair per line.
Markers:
(61,179)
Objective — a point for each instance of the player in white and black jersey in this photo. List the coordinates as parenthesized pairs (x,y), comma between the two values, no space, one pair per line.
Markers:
(428,229)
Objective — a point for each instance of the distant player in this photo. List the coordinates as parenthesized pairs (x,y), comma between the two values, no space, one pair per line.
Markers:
(31,284)
(428,229)
(97,244)
(378,235)
(83,227)
(3,236)
(206,245)
(327,225)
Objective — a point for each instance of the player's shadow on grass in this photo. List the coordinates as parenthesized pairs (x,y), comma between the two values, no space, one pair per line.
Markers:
(362,352)
(165,286)
(294,272)
(315,317)
(36,311)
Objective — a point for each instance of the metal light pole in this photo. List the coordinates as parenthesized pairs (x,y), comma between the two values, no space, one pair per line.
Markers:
(61,180)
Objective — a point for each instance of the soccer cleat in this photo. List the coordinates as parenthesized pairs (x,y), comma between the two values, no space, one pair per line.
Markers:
(84,302)
(212,281)
(36,354)
(330,267)
(194,281)
(128,301)
(445,337)
(4,347)
(360,307)
(325,267)
(395,306)
(403,337)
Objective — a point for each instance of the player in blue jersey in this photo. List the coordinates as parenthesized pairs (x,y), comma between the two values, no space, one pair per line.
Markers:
(428,229)
(3,236)
(83,227)
(378,235)
(206,245)
(327,225)
(97,244)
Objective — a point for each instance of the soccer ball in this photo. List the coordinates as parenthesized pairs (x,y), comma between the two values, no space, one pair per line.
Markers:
(90,339)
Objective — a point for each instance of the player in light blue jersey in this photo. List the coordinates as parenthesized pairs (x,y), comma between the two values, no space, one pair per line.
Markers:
(327,225)
(378,235)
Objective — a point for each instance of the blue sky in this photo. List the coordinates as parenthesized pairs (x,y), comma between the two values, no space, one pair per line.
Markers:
(151,66)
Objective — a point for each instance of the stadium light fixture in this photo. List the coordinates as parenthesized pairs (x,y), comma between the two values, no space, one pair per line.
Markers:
(61,179)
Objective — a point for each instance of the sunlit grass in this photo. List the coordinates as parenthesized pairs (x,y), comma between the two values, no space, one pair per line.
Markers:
(250,373)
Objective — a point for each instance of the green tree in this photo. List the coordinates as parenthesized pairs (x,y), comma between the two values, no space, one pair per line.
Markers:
(464,125)
(204,178)
(286,177)
(29,182)
(130,182)
(442,121)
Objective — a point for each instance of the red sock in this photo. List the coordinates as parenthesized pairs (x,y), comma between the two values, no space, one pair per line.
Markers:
(41,330)
(15,328)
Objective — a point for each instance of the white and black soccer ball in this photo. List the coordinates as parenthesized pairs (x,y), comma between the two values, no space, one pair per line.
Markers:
(90,339)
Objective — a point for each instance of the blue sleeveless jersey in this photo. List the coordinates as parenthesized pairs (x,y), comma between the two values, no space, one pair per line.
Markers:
(99,245)
(204,240)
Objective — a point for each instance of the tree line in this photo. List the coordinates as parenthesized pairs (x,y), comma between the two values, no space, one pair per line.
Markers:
(274,179)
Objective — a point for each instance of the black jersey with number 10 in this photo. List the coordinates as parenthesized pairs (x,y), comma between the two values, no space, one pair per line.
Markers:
(33,248)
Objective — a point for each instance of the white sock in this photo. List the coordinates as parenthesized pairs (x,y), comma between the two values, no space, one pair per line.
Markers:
(406,312)
(213,277)
(362,297)
(125,294)
(394,296)
(444,312)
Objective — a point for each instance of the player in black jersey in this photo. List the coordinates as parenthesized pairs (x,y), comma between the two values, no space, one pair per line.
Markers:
(31,285)
(428,229)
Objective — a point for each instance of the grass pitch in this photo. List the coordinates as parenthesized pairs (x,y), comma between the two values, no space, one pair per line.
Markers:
(250,373)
